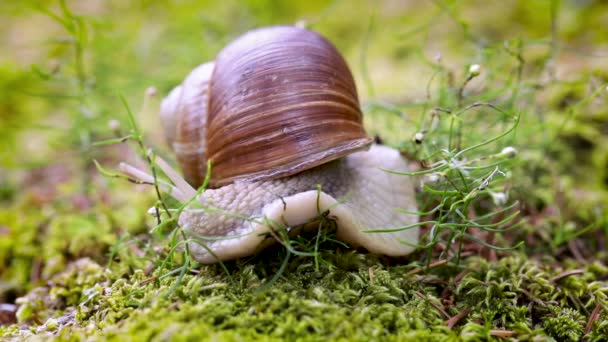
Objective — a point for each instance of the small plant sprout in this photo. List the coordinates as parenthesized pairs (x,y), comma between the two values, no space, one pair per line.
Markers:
(456,179)
(473,71)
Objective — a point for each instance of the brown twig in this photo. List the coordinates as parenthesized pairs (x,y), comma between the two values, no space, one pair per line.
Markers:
(431,265)
(149,280)
(576,252)
(459,276)
(502,333)
(532,298)
(595,315)
(454,320)
(490,253)
(448,290)
(440,309)
(566,274)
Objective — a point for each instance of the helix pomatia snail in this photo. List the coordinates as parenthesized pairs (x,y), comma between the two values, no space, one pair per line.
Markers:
(277,114)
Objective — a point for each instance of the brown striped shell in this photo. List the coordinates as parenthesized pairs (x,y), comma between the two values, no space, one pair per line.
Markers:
(281,100)
(184,116)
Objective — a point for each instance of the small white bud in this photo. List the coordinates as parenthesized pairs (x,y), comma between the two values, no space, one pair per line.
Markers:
(509,151)
(474,70)
(432,178)
(499,198)
(438,57)
(151,91)
(114,125)
(418,137)
(153,211)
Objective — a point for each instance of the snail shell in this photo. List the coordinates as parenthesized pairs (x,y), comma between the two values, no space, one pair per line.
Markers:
(184,117)
(281,100)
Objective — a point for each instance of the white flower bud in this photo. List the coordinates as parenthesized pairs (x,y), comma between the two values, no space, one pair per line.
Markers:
(151,91)
(474,70)
(509,151)
(114,125)
(499,198)
(438,57)
(153,211)
(418,137)
(432,178)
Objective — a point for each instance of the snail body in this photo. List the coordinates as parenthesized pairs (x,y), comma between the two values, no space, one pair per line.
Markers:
(278,116)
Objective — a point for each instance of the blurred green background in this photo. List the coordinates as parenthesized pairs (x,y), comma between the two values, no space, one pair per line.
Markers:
(48,96)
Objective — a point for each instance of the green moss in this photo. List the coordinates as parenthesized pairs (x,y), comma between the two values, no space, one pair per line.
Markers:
(564,324)
(370,301)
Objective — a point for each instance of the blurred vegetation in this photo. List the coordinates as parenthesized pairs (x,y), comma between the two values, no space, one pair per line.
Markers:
(75,246)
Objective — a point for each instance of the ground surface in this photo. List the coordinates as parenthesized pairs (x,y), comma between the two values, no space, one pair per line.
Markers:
(514,228)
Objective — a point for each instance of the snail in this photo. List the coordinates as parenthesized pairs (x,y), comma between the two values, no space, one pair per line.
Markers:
(278,116)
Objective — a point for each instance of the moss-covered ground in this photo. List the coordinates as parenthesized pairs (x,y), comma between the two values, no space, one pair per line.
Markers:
(508,101)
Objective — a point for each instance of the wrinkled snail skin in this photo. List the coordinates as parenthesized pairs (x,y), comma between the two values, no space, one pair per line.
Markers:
(360,197)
